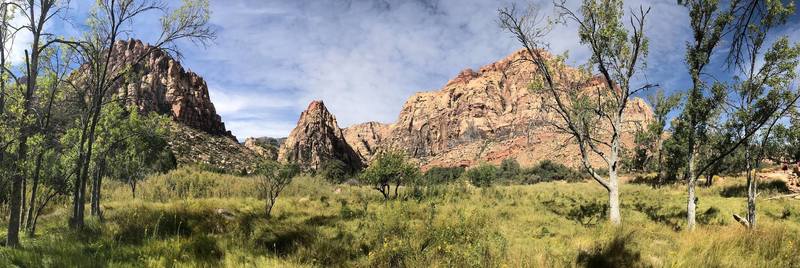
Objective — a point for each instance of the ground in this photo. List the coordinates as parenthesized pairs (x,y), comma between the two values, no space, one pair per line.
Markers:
(193,218)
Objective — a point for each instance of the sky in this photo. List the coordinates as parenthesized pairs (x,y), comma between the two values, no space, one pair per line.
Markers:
(364,58)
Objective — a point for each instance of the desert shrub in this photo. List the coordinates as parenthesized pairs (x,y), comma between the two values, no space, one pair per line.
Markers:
(547,170)
(483,175)
(510,170)
(334,171)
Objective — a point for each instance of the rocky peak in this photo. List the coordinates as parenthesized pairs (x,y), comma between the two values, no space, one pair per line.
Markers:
(158,83)
(316,140)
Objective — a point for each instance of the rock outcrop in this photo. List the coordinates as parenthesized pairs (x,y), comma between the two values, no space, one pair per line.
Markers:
(484,115)
(158,83)
(316,140)
(266,147)
(365,138)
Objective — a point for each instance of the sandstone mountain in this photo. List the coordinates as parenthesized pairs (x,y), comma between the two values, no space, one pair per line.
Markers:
(318,139)
(484,115)
(156,82)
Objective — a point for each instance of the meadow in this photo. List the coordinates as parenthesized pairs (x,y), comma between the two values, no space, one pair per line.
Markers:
(195,218)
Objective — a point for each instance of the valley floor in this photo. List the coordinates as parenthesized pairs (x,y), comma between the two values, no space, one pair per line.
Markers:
(192,218)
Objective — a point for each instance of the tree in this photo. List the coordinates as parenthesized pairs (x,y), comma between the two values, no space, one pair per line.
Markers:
(593,117)
(708,24)
(36,15)
(483,175)
(97,52)
(764,95)
(334,171)
(387,168)
(749,21)
(272,178)
(662,106)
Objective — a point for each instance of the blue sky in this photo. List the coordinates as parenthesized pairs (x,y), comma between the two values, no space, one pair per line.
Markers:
(364,58)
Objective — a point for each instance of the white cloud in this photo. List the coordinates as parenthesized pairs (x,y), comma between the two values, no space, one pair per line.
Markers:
(365,58)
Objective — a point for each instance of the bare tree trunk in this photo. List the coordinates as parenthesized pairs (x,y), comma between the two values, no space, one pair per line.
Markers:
(691,205)
(614,214)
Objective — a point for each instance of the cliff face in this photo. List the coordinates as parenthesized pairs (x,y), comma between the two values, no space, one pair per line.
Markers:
(489,115)
(365,138)
(158,83)
(316,140)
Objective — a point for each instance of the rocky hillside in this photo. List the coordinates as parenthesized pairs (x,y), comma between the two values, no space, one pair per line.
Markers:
(318,139)
(266,147)
(484,115)
(158,83)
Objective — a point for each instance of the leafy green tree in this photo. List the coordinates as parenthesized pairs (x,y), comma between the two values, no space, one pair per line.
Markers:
(334,171)
(593,118)
(483,175)
(647,154)
(389,168)
(764,95)
(272,178)
(102,77)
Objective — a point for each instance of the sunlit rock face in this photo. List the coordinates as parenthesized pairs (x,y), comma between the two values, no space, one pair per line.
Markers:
(318,139)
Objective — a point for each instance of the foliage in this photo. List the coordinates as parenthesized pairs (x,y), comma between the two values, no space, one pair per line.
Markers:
(483,175)
(225,226)
(389,168)
(272,178)
(547,170)
(441,175)
(334,170)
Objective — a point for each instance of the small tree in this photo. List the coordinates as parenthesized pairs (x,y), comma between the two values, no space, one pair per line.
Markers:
(482,175)
(334,171)
(272,178)
(387,168)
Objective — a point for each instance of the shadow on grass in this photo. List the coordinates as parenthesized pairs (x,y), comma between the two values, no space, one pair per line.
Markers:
(773,187)
(614,253)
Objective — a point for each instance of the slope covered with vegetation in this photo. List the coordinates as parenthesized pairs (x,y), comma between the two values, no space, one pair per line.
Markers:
(191,217)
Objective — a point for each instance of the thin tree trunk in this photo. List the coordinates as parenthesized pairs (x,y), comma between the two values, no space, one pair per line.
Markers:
(691,205)
(751,189)
(34,189)
(96,184)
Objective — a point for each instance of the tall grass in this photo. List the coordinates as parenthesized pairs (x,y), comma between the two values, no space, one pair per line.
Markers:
(194,218)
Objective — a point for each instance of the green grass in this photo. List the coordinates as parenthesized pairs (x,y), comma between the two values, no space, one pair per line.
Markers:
(176,222)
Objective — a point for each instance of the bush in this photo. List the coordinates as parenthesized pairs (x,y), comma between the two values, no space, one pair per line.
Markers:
(550,171)
(483,175)
(510,169)
(442,175)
